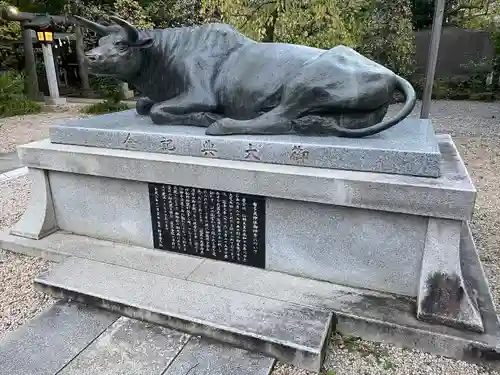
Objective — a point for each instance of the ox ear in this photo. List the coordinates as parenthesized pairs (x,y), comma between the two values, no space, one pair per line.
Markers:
(143,43)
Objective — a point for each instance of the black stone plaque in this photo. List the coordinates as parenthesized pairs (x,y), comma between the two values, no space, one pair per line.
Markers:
(208,223)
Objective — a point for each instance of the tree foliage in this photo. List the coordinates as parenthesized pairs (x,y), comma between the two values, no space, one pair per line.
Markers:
(132,11)
(382,30)
(13,101)
(460,13)
(319,23)
(9,31)
(388,35)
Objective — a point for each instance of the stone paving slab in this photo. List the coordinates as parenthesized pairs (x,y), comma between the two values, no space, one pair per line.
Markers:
(73,339)
(47,343)
(409,148)
(289,332)
(129,347)
(206,357)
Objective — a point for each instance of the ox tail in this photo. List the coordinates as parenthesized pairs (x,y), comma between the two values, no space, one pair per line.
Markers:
(410,100)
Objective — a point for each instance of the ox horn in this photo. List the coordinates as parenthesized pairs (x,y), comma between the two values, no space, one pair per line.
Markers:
(91,25)
(132,33)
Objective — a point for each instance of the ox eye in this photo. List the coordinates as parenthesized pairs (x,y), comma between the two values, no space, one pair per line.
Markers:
(121,46)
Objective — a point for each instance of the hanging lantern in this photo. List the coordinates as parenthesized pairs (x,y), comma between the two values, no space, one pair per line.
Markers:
(43,27)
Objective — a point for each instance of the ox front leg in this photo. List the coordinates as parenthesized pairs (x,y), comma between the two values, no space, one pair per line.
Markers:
(186,104)
(144,105)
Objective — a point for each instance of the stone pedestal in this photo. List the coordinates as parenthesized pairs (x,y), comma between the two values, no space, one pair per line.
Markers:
(385,213)
(407,149)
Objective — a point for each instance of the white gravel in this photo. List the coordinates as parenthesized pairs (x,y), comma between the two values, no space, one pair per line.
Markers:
(18,130)
(367,358)
(475,130)
(19,302)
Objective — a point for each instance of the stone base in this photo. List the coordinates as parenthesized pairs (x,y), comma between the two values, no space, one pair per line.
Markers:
(54,101)
(388,233)
(409,148)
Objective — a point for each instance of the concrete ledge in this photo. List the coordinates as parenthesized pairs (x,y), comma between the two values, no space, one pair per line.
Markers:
(15,173)
(450,196)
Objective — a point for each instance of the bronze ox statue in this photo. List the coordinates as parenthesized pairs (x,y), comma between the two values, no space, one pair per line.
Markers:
(215,77)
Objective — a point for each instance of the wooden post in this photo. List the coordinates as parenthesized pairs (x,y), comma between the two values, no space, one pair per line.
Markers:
(30,67)
(437,25)
(80,56)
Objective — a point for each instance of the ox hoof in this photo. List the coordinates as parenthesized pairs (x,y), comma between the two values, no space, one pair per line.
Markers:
(216,128)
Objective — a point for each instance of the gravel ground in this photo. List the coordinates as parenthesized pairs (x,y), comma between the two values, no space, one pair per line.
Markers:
(18,130)
(19,302)
(474,128)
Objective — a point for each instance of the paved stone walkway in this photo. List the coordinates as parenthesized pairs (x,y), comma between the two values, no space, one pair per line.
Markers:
(75,339)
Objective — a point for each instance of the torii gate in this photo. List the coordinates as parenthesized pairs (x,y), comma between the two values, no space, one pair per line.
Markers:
(11,13)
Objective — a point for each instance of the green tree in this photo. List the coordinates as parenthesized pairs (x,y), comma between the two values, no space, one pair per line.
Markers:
(9,32)
(460,13)
(381,30)
(132,11)
(388,36)
(319,23)
(173,13)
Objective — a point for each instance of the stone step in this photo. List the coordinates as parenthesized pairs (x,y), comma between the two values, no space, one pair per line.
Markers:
(287,331)
(75,339)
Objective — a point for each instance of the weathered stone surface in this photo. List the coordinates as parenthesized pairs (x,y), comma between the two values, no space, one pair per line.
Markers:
(129,347)
(345,245)
(292,333)
(206,357)
(47,343)
(39,219)
(450,196)
(105,208)
(375,316)
(361,248)
(443,296)
(410,148)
